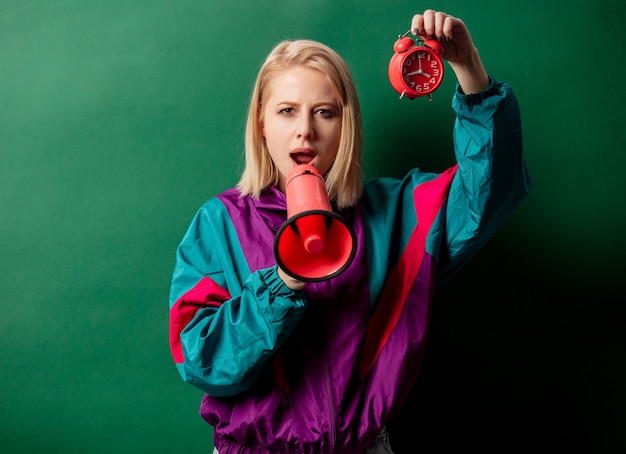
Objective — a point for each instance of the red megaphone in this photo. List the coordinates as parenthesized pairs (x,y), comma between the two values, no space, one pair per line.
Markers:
(314,243)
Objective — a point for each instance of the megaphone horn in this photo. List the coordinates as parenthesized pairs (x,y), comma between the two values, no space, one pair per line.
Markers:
(314,243)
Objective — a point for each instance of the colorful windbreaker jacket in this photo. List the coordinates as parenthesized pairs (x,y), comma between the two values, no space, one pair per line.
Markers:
(324,369)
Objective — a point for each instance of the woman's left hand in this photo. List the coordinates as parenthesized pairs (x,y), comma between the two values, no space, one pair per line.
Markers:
(458,47)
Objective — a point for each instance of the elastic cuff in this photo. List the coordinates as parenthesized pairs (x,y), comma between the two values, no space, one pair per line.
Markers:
(274,283)
(476,99)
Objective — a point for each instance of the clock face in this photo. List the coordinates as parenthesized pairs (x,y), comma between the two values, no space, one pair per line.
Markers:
(422,71)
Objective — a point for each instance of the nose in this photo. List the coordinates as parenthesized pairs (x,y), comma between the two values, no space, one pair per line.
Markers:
(305,128)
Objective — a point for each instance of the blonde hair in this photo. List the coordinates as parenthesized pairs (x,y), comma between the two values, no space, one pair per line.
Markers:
(344,180)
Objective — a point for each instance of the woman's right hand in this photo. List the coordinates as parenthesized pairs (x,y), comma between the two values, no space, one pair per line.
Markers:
(293,283)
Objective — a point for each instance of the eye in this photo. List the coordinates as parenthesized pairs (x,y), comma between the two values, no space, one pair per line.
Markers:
(326,113)
(286,111)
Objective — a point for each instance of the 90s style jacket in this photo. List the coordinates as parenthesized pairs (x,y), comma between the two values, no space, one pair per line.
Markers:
(324,369)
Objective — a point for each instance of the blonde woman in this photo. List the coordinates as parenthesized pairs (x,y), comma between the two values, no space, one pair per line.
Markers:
(321,367)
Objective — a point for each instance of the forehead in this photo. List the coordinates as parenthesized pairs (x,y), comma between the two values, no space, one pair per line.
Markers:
(300,84)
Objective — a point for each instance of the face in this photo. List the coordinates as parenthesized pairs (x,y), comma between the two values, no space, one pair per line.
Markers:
(301,121)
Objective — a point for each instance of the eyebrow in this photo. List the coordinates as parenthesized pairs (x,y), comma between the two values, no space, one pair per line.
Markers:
(317,105)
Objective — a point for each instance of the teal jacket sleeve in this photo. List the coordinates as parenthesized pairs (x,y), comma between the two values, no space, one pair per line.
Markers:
(225,322)
(492,178)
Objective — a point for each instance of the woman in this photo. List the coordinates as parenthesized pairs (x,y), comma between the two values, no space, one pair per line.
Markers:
(290,366)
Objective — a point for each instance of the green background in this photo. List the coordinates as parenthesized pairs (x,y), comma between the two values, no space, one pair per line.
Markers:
(119,118)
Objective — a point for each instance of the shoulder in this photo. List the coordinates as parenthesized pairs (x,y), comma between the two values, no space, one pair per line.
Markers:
(220,202)
(214,211)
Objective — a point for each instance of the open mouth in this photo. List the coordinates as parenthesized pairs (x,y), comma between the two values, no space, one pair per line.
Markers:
(302,157)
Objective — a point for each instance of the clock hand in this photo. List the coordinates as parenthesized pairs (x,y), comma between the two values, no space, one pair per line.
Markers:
(420,68)
(419,71)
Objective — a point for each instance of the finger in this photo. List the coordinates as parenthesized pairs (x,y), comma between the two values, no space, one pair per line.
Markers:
(439,21)
(448,27)
(417,25)
(429,23)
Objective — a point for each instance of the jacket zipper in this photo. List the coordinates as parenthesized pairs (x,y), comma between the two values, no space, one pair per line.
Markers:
(320,288)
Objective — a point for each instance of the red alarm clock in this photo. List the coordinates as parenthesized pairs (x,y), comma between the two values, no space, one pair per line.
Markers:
(416,68)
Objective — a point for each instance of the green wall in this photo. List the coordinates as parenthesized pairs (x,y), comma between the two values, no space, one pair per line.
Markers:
(119,118)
